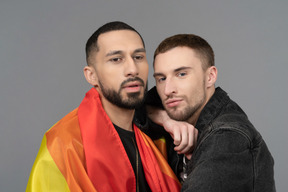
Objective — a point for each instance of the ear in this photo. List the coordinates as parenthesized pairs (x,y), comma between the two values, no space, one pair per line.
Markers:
(90,75)
(211,76)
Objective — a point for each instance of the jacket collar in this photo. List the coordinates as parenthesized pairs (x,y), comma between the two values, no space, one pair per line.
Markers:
(212,109)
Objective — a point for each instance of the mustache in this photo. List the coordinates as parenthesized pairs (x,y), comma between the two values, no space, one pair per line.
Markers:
(174,97)
(133,79)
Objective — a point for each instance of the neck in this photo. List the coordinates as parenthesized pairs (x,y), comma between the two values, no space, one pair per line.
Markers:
(121,117)
(193,120)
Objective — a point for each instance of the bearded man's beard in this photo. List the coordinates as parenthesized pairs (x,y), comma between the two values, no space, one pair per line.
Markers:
(133,100)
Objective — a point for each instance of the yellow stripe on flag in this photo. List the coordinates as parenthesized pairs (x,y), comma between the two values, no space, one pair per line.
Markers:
(161,145)
(45,175)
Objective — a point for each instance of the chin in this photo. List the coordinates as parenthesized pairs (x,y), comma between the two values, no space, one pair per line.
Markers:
(180,116)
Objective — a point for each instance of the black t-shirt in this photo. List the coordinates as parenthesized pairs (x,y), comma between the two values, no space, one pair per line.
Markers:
(129,141)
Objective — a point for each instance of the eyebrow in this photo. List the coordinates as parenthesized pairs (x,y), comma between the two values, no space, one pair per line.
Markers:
(182,68)
(175,71)
(114,53)
(117,52)
(140,50)
(158,74)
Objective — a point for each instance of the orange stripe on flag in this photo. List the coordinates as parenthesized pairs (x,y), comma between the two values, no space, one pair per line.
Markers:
(64,143)
(160,173)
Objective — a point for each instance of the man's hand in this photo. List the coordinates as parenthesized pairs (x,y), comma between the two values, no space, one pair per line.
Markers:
(183,133)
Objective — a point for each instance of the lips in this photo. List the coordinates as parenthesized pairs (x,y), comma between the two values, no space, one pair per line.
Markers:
(173,102)
(133,84)
(132,87)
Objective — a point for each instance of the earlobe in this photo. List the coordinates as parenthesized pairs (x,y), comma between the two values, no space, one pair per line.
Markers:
(211,76)
(90,75)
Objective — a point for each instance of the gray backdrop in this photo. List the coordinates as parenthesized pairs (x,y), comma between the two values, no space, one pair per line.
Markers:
(42,57)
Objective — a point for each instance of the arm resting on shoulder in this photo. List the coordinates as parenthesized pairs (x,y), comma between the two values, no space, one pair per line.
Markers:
(222,162)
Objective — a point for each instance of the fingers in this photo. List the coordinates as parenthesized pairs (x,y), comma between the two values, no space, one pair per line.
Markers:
(176,137)
(188,136)
(183,134)
(182,142)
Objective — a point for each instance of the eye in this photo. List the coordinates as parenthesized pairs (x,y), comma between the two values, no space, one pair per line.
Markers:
(160,79)
(138,57)
(181,74)
(116,60)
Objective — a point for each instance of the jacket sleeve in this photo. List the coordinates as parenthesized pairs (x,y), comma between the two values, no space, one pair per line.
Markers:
(153,98)
(222,162)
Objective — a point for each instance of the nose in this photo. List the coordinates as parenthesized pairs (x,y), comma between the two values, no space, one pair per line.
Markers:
(170,87)
(131,68)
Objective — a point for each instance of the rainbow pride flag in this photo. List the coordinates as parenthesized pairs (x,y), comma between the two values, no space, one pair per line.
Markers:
(83,152)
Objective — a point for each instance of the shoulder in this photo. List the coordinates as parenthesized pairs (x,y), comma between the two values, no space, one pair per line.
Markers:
(224,140)
(65,124)
(65,132)
(232,119)
(230,133)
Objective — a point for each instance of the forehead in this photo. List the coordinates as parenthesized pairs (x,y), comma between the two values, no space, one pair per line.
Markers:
(119,40)
(175,58)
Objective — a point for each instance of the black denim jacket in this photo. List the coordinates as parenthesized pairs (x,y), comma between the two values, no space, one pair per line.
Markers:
(230,154)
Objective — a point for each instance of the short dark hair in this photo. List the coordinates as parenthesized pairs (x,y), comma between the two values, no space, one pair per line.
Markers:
(91,44)
(201,47)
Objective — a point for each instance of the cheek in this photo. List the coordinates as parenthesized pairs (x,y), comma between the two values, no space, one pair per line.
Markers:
(112,74)
(107,81)
(195,93)
(187,89)
(144,70)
